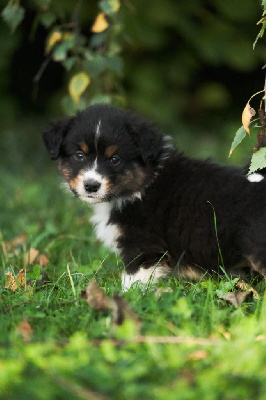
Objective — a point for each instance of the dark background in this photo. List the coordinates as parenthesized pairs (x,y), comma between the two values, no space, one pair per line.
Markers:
(188,65)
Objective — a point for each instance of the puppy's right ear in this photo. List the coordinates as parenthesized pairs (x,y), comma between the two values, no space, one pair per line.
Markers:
(54,135)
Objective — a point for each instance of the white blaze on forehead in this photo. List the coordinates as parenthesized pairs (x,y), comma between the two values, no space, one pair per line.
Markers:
(97,135)
(92,174)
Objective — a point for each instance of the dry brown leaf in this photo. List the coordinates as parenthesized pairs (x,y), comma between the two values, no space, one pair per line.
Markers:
(21,278)
(160,290)
(100,24)
(122,311)
(30,256)
(259,338)
(18,240)
(25,329)
(198,355)
(236,298)
(11,282)
(96,298)
(227,335)
(42,260)
(247,115)
(245,286)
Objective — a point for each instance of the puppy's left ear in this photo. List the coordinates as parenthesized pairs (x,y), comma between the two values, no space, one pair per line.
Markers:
(54,135)
(148,139)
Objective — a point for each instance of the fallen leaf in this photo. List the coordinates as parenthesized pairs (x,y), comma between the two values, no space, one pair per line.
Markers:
(25,329)
(100,24)
(245,286)
(247,115)
(21,278)
(11,282)
(122,311)
(236,298)
(96,298)
(18,240)
(30,256)
(259,338)
(198,355)
(227,335)
(42,260)
(159,291)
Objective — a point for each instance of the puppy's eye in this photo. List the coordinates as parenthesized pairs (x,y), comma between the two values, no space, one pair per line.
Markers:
(115,160)
(79,156)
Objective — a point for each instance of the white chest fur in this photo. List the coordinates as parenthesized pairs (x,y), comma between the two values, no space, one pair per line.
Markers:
(105,231)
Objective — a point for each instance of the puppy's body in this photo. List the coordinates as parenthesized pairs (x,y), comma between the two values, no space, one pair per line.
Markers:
(159,209)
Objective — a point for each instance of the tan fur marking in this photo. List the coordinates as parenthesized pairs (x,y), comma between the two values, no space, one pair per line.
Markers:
(110,151)
(135,178)
(74,182)
(64,171)
(192,273)
(84,147)
(257,266)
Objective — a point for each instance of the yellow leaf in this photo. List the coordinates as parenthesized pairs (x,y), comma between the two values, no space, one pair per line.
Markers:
(100,24)
(247,115)
(55,37)
(78,84)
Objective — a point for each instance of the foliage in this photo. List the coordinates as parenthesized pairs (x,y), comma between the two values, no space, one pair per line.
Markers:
(258,160)
(161,60)
(91,61)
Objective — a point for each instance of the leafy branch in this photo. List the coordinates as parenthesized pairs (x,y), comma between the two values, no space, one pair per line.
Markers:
(92,60)
(258,160)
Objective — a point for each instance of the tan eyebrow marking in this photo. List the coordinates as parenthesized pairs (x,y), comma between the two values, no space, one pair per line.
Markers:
(84,147)
(110,151)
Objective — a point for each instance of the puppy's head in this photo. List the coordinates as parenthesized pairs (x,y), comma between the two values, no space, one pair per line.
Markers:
(105,153)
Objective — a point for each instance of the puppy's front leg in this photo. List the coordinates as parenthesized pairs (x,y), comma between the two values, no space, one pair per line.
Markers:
(144,276)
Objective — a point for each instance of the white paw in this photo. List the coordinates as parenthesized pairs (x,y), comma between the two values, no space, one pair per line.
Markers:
(144,276)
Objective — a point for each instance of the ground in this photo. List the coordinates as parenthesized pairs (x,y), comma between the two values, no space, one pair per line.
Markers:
(188,341)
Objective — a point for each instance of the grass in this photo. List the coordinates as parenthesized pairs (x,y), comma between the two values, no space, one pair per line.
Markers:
(211,349)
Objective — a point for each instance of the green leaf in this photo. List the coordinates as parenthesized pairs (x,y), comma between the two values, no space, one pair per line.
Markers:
(69,63)
(258,160)
(47,19)
(110,7)
(13,15)
(239,136)
(60,50)
(78,84)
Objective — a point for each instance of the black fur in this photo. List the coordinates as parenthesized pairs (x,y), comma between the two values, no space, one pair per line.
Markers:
(190,213)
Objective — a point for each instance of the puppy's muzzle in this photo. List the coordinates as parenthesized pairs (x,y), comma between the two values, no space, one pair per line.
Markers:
(92,186)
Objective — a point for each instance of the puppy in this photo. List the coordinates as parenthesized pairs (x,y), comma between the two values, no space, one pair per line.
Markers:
(160,210)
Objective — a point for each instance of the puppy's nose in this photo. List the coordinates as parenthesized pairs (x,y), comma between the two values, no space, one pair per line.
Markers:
(91,186)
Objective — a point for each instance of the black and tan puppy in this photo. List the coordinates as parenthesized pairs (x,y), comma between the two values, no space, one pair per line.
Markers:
(154,206)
